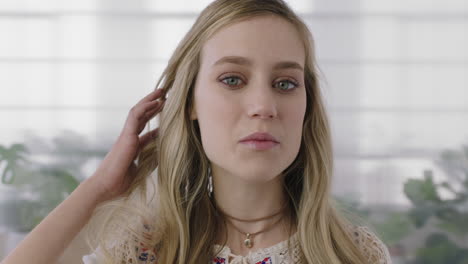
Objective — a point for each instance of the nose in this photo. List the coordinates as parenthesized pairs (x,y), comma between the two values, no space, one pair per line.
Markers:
(262,102)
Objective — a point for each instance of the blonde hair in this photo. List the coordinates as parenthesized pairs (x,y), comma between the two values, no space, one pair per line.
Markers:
(180,217)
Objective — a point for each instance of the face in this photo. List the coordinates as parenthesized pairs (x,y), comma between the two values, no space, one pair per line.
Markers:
(251,79)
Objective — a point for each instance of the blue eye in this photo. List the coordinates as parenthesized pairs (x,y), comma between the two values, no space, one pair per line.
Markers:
(231,78)
(287,86)
(233,81)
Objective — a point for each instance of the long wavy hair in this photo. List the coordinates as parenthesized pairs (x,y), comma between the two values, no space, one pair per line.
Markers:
(168,207)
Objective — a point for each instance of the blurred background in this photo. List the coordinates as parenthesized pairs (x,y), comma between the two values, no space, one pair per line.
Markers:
(394,76)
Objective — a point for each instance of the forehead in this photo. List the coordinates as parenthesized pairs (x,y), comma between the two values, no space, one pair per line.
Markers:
(263,39)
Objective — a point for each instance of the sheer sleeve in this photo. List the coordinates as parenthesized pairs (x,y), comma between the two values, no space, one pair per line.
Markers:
(372,247)
(91,258)
(145,254)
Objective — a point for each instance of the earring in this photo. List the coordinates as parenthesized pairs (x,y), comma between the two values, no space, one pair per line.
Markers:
(210,183)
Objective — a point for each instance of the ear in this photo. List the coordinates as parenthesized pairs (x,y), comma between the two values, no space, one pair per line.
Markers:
(193,113)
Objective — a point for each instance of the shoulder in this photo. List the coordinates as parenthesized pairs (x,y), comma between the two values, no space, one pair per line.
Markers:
(145,254)
(372,247)
(91,258)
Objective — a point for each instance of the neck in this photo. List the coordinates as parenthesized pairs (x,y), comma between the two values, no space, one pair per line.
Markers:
(247,200)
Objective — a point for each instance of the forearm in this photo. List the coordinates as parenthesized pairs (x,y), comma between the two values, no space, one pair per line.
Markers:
(46,243)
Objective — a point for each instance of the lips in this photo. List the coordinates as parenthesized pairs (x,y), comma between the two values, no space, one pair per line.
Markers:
(259,136)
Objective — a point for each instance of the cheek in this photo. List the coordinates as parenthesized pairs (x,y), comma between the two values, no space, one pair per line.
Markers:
(295,120)
(215,114)
(213,109)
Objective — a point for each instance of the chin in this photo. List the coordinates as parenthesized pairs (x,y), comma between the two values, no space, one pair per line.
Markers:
(259,175)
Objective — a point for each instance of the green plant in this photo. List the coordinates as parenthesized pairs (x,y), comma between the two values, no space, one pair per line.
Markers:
(451,214)
(41,185)
(12,157)
(439,249)
(395,226)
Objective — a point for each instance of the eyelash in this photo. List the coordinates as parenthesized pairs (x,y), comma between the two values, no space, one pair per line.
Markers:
(287,80)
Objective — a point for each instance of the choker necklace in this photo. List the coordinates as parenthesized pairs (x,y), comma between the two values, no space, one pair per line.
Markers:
(248,242)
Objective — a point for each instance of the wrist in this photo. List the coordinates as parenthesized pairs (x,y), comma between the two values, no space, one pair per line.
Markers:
(95,189)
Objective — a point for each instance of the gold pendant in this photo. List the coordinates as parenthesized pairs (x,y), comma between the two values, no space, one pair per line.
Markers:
(248,242)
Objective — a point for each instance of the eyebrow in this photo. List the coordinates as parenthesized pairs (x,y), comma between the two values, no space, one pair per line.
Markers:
(244,61)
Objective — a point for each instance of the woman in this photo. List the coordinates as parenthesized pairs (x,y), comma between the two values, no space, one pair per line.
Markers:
(243,158)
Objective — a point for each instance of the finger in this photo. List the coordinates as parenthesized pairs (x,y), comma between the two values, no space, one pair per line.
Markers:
(153,112)
(148,116)
(142,108)
(147,137)
(136,119)
(139,112)
(138,116)
(150,106)
(152,96)
(150,112)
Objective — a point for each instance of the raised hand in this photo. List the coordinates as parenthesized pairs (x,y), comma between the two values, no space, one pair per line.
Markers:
(116,172)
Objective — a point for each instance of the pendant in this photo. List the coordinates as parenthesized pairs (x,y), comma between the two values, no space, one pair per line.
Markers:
(248,242)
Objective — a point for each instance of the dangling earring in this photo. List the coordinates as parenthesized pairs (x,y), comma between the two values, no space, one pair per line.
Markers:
(210,183)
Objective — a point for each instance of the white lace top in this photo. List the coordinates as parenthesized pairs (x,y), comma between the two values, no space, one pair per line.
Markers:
(373,248)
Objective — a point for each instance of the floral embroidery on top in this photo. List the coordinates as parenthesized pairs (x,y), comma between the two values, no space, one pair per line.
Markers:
(219,260)
(146,254)
(265,261)
(372,247)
